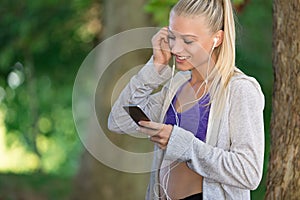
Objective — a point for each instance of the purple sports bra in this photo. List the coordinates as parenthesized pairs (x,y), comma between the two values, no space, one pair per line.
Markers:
(194,119)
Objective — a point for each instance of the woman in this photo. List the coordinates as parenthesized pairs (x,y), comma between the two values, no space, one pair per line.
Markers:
(207,121)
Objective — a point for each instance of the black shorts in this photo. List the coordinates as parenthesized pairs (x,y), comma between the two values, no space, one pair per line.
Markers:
(194,197)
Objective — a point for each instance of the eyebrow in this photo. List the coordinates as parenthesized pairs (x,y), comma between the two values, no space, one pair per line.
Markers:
(186,35)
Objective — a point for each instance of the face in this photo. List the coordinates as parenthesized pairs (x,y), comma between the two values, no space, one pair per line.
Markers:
(190,42)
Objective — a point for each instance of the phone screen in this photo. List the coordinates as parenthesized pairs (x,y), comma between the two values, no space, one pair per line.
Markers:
(136,113)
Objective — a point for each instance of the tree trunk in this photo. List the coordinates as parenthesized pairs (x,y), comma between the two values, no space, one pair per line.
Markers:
(284,166)
(95,180)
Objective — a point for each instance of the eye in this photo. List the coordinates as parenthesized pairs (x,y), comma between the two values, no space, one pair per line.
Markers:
(188,41)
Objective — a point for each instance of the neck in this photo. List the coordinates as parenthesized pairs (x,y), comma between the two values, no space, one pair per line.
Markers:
(197,77)
(201,73)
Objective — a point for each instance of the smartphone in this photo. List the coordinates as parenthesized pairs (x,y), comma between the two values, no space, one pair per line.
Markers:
(136,113)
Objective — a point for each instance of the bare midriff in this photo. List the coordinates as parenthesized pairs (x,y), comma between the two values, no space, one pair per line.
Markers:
(183,181)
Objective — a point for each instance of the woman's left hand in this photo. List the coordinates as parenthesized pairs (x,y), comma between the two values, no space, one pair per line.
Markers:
(158,133)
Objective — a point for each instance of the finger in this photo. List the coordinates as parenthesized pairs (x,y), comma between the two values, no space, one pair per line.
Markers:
(165,47)
(147,131)
(163,34)
(160,39)
(157,139)
(160,142)
(164,30)
(151,125)
(154,139)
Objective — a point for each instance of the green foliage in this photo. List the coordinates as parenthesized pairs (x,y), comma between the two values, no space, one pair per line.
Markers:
(238,2)
(45,42)
(160,10)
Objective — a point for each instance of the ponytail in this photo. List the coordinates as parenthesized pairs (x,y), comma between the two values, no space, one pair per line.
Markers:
(226,58)
(225,63)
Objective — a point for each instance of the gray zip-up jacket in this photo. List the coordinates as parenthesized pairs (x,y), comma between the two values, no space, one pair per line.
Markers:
(231,159)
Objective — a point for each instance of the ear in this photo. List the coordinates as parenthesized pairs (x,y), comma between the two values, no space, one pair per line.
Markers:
(219,35)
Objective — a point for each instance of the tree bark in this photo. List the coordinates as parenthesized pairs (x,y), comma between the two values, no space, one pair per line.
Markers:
(95,180)
(284,165)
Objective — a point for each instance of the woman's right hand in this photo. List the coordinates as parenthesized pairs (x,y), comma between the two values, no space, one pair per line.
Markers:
(161,49)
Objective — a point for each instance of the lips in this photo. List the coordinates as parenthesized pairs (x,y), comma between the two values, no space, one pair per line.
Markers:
(181,59)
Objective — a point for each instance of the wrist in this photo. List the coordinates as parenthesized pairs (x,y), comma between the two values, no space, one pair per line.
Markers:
(159,66)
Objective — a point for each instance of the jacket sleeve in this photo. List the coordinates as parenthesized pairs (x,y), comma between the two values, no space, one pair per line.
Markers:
(139,91)
(242,164)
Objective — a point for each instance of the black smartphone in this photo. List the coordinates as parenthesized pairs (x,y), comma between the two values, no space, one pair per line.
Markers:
(136,113)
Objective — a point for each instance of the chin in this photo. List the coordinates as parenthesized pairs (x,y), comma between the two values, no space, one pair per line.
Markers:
(184,70)
(182,67)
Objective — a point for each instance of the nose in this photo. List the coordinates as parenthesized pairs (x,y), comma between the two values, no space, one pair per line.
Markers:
(176,46)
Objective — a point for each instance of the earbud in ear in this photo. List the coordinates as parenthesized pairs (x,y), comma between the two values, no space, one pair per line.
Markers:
(215,42)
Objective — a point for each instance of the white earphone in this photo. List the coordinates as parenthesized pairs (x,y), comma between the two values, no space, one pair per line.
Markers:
(215,42)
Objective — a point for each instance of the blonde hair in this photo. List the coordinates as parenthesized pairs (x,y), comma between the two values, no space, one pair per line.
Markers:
(219,16)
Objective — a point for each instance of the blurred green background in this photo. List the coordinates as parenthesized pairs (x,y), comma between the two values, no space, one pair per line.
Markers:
(43,44)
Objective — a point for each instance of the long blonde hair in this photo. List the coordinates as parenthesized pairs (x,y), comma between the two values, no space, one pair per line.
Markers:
(219,15)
